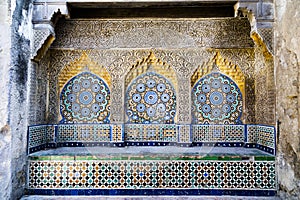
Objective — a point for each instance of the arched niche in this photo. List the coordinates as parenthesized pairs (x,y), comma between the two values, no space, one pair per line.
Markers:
(216,99)
(85,98)
(150,99)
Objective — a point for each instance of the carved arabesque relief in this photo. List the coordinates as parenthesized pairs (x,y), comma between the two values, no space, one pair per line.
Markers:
(84,63)
(225,67)
(245,59)
(42,39)
(119,62)
(153,33)
(181,40)
(38,87)
(264,83)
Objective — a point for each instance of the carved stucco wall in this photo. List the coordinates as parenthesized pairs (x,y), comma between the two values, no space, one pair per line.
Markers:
(120,61)
(264,83)
(182,58)
(38,87)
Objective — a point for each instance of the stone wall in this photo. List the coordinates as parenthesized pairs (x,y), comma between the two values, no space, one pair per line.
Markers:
(18,96)
(5,133)
(287,63)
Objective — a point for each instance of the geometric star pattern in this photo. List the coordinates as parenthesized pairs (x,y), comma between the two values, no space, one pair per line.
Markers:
(85,99)
(126,174)
(150,99)
(216,100)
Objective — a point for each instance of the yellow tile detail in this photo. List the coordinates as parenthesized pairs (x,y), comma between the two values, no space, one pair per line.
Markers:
(222,65)
(148,64)
(83,64)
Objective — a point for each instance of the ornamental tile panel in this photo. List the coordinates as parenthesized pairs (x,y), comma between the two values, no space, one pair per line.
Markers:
(218,133)
(151,132)
(83,133)
(151,98)
(85,99)
(152,174)
(216,100)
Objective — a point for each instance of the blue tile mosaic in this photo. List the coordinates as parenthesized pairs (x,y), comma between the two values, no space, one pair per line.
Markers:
(85,99)
(151,98)
(162,192)
(249,136)
(83,133)
(218,133)
(216,100)
(141,175)
(150,132)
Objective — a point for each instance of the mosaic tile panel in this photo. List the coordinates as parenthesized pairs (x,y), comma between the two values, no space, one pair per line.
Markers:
(152,174)
(39,135)
(262,135)
(216,100)
(250,136)
(266,136)
(151,132)
(83,133)
(184,133)
(218,133)
(85,99)
(150,99)
(117,132)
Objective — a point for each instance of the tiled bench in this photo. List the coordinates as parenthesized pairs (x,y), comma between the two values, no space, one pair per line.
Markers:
(215,163)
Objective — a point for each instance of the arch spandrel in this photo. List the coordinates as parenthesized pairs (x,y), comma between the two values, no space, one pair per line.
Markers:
(151,63)
(83,64)
(222,65)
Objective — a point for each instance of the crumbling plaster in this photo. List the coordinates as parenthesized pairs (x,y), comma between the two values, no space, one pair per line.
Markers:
(5,133)
(287,63)
(15,25)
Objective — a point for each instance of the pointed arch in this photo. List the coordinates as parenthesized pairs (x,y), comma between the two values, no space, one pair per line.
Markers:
(216,99)
(85,99)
